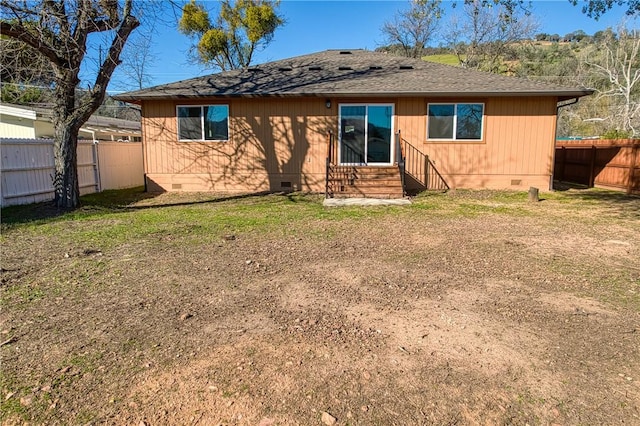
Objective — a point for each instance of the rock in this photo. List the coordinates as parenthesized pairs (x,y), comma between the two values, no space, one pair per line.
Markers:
(249,262)
(185,316)
(328,419)
(229,237)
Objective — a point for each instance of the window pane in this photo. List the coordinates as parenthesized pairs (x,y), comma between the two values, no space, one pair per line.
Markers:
(216,123)
(352,126)
(441,121)
(469,123)
(189,123)
(379,134)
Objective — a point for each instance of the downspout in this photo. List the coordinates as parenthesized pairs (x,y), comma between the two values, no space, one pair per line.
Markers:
(555,138)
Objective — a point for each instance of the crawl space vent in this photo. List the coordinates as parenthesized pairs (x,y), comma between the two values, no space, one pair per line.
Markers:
(285,184)
(516,182)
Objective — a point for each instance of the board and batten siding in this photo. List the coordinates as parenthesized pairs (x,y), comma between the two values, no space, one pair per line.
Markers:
(281,143)
(274,145)
(516,150)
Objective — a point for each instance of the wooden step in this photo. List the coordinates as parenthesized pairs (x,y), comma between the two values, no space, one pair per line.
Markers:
(366,182)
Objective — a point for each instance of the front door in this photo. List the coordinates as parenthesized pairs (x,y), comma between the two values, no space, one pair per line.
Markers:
(366,134)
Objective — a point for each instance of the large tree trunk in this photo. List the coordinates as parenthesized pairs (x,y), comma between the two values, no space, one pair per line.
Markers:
(65,181)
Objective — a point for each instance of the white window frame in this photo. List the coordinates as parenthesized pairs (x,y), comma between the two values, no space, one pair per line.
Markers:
(392,142)
(202,139)
(455,122)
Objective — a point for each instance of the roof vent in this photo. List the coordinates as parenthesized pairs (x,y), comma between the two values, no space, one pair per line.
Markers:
(254,69)
(345,68)
(375,67)
(315,68)
(345,52)
(406,67)
(285,69)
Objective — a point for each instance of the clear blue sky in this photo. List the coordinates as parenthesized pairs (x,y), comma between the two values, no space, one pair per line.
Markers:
(319,25)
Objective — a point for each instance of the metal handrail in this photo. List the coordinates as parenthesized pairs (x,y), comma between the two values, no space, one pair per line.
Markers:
(328,164)
(400,159)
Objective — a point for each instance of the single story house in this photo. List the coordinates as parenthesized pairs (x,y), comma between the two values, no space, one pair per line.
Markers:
(27,122)
(349,122)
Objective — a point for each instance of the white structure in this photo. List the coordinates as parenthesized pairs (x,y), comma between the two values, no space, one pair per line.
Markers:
(34,123)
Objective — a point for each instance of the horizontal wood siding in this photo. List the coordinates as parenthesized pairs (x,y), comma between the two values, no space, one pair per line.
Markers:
(516,150)
(274,145)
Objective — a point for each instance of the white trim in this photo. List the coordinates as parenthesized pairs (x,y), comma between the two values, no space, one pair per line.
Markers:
(366,117)
(18,112)
(202,106)
(455,122)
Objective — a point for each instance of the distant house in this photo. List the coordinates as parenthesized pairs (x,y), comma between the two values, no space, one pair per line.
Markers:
(22,122)
(349,122)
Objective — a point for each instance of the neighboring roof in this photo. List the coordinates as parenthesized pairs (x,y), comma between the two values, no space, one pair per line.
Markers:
(351,73)
(95,122)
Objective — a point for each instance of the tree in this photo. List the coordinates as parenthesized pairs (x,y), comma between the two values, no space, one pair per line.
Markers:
(413,28)
(481,35)
(614,73)
(59,31)
(240,29)
(596,8)
(26,77)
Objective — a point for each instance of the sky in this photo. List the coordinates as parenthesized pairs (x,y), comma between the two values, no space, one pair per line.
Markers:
(313,26)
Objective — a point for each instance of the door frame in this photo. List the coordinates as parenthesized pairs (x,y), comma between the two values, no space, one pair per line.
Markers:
(391,138)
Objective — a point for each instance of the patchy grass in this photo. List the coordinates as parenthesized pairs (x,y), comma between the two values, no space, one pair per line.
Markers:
(464,307)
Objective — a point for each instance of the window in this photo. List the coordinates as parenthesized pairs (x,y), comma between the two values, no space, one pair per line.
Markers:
(455,121)
(203,123)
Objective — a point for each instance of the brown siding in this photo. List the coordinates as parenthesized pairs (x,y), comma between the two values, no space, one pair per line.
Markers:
(285,140)
(271,141)
(516,151)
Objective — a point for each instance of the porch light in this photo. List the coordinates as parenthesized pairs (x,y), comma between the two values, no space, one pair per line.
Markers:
(328,103)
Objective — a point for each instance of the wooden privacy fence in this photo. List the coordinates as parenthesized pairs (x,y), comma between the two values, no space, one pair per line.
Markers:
(27,167)
(606,163)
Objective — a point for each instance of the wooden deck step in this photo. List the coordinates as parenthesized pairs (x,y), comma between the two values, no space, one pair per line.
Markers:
(366,182)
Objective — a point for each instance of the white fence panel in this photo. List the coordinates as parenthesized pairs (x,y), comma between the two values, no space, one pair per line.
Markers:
(120,165)
(27,168)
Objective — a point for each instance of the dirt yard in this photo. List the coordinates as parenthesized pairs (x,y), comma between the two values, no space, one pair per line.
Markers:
(463,308)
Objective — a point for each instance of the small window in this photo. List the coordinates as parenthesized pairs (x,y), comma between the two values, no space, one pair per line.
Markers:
(203,123)
(455,121)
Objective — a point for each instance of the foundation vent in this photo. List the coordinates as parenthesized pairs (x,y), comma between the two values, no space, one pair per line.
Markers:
(516,182)
(176,186)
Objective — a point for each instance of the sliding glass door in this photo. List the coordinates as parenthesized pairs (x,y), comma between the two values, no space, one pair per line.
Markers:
(366,134)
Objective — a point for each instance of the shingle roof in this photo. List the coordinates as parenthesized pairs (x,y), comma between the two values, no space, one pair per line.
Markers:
(351,73)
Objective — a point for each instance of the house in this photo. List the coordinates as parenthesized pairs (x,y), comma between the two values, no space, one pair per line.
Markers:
(22,122)
(349,123)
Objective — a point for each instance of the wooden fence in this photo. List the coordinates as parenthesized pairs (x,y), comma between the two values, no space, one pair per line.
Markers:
(613,164)
(27,167)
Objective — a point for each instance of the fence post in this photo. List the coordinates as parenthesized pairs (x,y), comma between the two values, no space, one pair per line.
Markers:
(592,167)
(635,144)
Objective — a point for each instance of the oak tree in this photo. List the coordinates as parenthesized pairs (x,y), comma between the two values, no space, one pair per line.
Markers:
(411,29)
(59,31)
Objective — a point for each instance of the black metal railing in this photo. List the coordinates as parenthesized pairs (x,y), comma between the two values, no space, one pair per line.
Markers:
(419,171)
(328,165)
(400,161)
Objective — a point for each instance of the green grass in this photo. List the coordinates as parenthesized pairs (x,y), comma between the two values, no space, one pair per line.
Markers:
(446,59)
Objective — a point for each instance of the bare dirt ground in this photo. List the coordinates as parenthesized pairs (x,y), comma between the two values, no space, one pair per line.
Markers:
(484,311)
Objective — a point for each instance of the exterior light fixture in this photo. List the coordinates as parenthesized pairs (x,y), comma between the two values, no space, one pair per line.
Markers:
(328,103)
